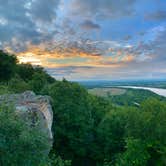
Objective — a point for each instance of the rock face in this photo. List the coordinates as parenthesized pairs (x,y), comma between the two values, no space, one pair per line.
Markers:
(34,109)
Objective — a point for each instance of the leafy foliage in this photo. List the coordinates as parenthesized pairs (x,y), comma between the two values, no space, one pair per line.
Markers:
(18,85)
(76,116)
(20,144)
(133,97)
(25,71)
(56,160)
(7,66)
(72,118)
(4,89)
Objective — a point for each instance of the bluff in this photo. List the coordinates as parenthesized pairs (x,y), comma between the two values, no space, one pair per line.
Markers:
(34,109)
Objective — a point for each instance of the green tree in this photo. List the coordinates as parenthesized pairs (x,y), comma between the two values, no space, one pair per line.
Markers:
(147,128)
(17,85)
(56,160)
(25,71)
(76,118)
(72,119)
(111,134)
(7,66)
(39,69)
(136,154)
(38,82)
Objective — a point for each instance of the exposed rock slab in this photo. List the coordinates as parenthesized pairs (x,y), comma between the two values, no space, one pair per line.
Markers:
(34,109)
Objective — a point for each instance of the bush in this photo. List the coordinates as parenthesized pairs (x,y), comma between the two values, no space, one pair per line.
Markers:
(4,89)
(20,145)
(17,85)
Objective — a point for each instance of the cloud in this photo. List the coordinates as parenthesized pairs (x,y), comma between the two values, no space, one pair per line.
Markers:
(80,53)
(69,71)
(42,10)
(134,70)
(21,21)
(159,46)
(90,25)
(103,8)
(86,38)
(153,50)
(128,37)
(17,22)
(159,15)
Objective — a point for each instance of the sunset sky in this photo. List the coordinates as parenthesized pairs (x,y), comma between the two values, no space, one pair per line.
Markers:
(88,39)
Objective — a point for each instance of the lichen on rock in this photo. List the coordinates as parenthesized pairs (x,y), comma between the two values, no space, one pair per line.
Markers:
(34,109)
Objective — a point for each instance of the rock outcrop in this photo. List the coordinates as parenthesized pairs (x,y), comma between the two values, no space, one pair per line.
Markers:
(34,109)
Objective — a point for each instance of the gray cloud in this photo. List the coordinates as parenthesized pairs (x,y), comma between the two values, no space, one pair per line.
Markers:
(16,20)
(158,15)
(159,46)
(89,25)
(19,21)
(66,70)
(43,10)
(134,70)
(110,8)
(128,37)
(152,51)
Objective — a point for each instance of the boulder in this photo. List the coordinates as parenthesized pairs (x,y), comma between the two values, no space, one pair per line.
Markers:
(34,109)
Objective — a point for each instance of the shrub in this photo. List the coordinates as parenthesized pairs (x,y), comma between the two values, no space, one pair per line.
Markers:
(20,144)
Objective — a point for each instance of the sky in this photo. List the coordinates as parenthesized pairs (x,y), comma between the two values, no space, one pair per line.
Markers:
(87,39)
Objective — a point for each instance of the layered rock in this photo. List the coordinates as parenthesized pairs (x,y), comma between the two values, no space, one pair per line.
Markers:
(34,109)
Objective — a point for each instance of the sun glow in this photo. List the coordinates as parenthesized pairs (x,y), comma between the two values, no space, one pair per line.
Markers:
(29,58)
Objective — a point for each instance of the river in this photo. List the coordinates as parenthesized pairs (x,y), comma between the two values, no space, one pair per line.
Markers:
(159,91)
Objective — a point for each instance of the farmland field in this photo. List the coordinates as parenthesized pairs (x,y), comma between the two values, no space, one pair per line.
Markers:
(106,92)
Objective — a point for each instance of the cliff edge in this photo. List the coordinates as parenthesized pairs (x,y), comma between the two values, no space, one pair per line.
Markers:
(34,109)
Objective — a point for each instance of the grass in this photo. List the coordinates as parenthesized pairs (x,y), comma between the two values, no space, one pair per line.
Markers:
(106,92)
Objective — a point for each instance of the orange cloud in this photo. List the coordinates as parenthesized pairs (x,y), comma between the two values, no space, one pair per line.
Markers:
(63,57)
